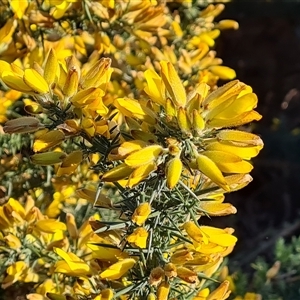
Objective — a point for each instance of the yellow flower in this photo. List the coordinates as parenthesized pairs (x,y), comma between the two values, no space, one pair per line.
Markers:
(210,169)
(217,208)
(48,140)
(71,225)
(35,81)
(118,269)
(6,33)
(98,75)
(208,239)
(50,226)
(19,271)
(12,213)
(70,163)
(51,68)
(117,173)
(173,84)
(138,237)
(108,254)
(144,156)
(135,109)
(163,291)
(60,7)
(106,294)
(221,292)
(155,88)
(71,264)
(141,214)
(12,241)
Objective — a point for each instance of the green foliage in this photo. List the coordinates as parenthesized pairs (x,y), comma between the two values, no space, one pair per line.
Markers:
(271,282)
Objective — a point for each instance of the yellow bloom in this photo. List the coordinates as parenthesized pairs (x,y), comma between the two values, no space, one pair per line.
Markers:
(70,163)
(155,88)
(50,226)
(139,174)
(98,75)
(223,72)
(138,237)
(48,140)
(209,239)
(11,213)
(117,173)
(180,257)
(118,269)
(173,84)
(214,208)
(163,291)
(228,162)
(35,81)
(135,109)
(60,7)
(15,81)
(106,294)
(71,225)
(12,241)
(210,169)
(51,68)
(144,156)
(6,33)
(71,83)
(221,292)
(141,214)
(71,264)
(173,172)
(107,254)
(19,271)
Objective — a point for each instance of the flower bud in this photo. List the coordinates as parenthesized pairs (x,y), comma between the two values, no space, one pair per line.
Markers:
(22,125)
(163,291)
(173,172)
(72,227)
(48,158)
(228,24)
(151,296)
(71,84)
(51,67)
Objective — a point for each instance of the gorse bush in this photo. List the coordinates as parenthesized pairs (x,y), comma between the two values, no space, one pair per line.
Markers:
(127,141)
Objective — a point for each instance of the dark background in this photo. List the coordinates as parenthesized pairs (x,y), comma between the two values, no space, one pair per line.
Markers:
(265,53)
